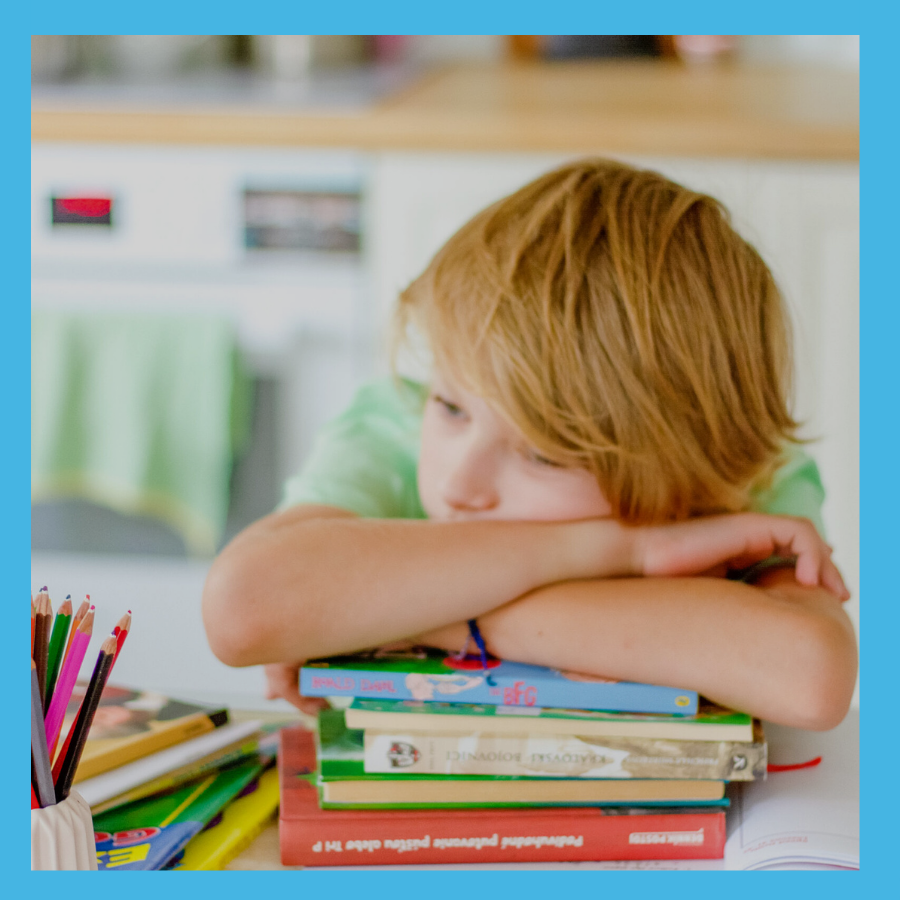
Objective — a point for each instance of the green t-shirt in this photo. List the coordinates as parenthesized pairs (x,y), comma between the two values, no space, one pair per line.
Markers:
(365,461)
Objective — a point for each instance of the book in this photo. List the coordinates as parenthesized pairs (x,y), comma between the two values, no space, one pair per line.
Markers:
(709,723)
(561,756)
(312,836)
(802,818)
(170,767)
(130,724)
(424,673)
(146,834)
(405,793)
(230,832)
(343,781)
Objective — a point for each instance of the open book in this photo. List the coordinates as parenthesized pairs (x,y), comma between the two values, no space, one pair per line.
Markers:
(808,818)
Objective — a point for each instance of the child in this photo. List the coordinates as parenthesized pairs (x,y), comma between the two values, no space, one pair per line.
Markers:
(605,437)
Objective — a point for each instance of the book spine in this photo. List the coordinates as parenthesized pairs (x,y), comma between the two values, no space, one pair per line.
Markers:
(320,840)
(564,756)
(319,681)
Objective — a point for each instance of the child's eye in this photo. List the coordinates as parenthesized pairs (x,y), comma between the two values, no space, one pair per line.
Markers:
(451,409)
(533,456)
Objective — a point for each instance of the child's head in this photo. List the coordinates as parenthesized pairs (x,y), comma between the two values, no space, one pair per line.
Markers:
(619,325)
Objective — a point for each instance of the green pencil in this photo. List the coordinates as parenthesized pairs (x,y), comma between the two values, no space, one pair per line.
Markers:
(57,643)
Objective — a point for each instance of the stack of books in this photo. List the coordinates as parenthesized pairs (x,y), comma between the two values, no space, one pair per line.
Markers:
(173,784)
(523,764)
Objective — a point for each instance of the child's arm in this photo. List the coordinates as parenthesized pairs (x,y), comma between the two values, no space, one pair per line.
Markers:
(315,580)
(779,650)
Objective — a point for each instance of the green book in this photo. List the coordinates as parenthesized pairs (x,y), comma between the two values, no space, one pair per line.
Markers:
(146,834)
(710,723)
(344,783)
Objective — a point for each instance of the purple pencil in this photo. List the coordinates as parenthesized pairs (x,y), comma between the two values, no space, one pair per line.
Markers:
(66,681)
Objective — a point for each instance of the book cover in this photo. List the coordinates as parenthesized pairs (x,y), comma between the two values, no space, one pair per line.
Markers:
(232,830)
(710,723)
(423,673)
(312,836)
(342,780)
(561,756)
(146,834)
(130,724)
(170,767)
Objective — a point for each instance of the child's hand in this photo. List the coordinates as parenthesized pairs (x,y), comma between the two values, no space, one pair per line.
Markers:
(735,541)
(282,681)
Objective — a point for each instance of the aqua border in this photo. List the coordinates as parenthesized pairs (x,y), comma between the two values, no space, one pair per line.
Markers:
(879,323)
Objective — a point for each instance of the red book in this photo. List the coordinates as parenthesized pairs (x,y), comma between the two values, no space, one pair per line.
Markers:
(311,836)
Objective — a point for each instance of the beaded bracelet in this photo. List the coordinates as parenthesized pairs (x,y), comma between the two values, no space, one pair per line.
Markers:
(474,635)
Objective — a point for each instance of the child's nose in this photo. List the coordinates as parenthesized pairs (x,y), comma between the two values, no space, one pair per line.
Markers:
(471,486)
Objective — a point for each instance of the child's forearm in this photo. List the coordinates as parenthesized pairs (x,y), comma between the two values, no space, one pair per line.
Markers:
(314,581)
(786,654)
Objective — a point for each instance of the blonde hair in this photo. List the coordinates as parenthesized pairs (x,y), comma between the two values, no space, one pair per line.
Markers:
(618,321)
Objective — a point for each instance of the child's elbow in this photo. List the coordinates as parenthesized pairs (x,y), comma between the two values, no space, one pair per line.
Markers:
(232,630)
(826,673)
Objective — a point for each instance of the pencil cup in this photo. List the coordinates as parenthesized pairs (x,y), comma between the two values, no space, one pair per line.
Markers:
(62,836)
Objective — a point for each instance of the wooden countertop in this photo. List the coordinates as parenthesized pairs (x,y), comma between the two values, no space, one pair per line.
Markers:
(650,108)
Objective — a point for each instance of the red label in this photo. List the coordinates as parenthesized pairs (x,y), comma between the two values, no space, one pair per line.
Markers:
(94,207)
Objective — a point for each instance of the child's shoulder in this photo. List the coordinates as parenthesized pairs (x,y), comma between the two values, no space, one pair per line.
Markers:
(795,489)
(365,459)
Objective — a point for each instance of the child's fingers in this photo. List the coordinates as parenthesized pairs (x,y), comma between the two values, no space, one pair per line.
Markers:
(832,581)
(282,684)
(309,705)
(814,566)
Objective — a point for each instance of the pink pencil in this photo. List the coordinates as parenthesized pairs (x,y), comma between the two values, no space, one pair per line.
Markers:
(66,681)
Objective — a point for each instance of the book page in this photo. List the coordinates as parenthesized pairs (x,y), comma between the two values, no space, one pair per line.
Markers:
(803,817)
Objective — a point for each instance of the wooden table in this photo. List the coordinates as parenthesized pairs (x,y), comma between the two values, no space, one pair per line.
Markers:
(625,107)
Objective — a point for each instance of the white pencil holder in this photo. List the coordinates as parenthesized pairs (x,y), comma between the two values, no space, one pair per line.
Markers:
(62,836)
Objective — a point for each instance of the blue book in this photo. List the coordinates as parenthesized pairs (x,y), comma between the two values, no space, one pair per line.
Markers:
(423,673)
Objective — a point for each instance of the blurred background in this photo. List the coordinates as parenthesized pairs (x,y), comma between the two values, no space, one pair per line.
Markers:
(221,223)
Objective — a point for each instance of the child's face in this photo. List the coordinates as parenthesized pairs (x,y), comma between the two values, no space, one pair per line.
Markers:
(474,465)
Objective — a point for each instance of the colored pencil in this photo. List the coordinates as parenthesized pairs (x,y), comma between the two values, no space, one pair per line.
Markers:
(32,626)
(57,709)
(57,640)
(40,757)
(42,618)
(123,626)
(85,718)
(76,621)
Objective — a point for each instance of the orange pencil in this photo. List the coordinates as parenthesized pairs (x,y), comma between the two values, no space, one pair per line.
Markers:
(76,621)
